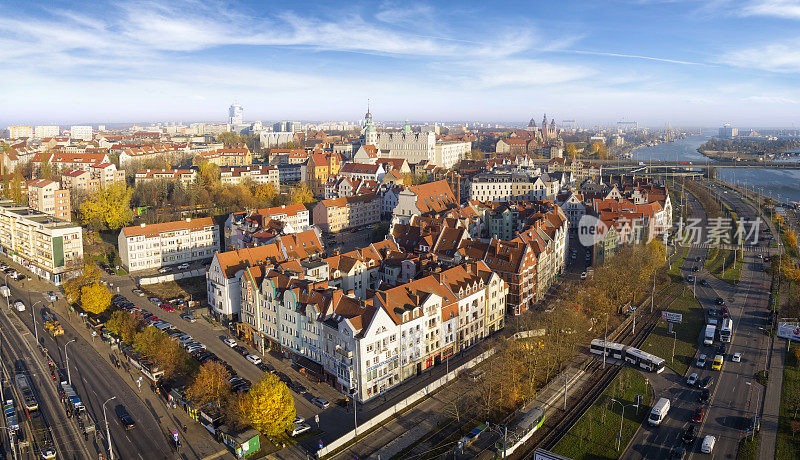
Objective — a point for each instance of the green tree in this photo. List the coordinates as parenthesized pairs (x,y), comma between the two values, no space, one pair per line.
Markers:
(229,139)
(95,298)
(107,207)
(46,170)
(268,406)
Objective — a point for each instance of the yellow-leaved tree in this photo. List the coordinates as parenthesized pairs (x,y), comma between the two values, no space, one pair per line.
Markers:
(210,385)
(265,192)
(301,194)
(95,298)
(268,406)
(107,207)
(89,275)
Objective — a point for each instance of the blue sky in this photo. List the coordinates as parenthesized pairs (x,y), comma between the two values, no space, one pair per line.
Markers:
(687,62)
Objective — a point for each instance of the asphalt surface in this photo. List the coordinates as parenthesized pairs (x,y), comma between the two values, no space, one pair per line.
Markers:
(95,381)
(735,395)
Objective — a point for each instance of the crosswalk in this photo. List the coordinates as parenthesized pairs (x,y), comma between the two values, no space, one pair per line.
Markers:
(732,247)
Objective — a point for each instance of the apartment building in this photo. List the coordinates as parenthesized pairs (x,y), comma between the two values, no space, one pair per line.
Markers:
(362,171)
(448,153)
(19,132)
(229,157)
(48,197)
(364,348)
(423,199)
(65,161)
(231,175)
(145,247)
(99,175)
(46,131)
(505,186)
(347,212)
(185,176)
(51,248)
(242,228)
(80,132)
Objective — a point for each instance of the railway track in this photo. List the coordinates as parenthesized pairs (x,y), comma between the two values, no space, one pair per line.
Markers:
(599,382)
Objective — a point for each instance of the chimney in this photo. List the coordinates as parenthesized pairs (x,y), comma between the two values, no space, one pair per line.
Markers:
(143,225)
(188,219)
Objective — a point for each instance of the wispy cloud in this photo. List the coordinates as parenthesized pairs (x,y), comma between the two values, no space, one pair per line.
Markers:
(775,57)
(785,9)
(634,56)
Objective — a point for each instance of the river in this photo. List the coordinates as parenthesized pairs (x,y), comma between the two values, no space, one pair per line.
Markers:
(782,184)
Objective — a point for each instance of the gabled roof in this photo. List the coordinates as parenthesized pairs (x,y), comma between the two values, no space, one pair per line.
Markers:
(155,229)
(233,261)
(433,196)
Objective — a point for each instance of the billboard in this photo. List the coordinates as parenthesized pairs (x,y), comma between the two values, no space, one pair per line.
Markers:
(789,331)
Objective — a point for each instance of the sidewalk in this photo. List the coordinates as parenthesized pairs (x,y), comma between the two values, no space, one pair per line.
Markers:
(771,399)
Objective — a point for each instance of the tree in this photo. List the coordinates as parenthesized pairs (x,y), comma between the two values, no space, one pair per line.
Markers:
(230,139)
(210,384)
(302,194)
(572,150)
(16,187)
(265,193)
(123,324)
(95,298)
(107,207)
(89,275)
(268,406)
(475,154)
(791,239)
(209,173)
(46,170)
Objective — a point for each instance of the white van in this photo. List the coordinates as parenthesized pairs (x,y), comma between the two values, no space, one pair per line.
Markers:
(708,444)
(659,412)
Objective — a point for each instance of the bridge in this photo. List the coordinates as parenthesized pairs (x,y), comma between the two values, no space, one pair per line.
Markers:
(687,165)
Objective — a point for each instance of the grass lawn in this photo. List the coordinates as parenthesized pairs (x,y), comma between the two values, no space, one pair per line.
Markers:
(675,268)
(594,436)
(748,448)
(788,446)
(685,339)
(724,258)
(186,287)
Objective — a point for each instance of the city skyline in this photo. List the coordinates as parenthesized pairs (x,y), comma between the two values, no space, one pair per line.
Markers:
(700,64)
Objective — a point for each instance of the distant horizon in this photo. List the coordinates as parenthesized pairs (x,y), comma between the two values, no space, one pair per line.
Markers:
(701,63)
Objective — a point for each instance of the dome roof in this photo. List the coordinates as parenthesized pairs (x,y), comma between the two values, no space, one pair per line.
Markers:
(406,127)
(532,123)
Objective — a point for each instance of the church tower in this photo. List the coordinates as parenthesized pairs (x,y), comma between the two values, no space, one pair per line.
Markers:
(545,133)
(369,136)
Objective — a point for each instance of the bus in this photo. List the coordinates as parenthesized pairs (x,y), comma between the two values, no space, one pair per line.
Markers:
(631,355)
(726,330)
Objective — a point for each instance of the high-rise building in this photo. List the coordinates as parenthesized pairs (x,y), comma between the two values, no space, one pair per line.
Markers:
(728,132)
(17,132)
(235,114)
(82,132)
(46,131)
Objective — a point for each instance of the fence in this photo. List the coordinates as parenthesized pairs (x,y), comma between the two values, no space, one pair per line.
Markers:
(171,277)
(402,405)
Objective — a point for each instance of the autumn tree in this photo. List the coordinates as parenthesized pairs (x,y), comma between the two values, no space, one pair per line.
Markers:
(265,193)
(73,286)
(210,385)
(123,324)
(107,207)
(301,194)
(571,150)
(46,170)
(229,139)
(268,406)
(95,298)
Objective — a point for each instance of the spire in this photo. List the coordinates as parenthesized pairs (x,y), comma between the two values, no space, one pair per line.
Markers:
(368,115)
(406,127)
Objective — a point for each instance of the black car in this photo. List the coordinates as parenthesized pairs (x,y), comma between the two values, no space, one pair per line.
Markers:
(703,282)
(720,301)
(705,382)
(695,268)
(722,348)
(689,434)
(705,395)
(124,417)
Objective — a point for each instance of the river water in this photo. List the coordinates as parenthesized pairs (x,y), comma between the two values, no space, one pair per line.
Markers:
(783,184)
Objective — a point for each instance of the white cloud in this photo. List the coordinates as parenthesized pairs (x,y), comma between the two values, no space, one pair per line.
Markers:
(785,9)
(774,57)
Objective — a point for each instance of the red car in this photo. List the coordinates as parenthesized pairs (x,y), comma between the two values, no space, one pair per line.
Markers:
(699,413)
(167,307)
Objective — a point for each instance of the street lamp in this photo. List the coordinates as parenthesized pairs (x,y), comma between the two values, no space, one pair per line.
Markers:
(108,433)
(33,317)
(621,417)
(674,339)
(69,378)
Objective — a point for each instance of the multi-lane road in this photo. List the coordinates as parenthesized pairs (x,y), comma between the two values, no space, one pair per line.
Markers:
(735,395)
(94,380)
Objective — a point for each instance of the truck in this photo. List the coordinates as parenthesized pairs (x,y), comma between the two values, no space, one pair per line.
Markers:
(659,412)
(726,330)
(709,337)
(52,324)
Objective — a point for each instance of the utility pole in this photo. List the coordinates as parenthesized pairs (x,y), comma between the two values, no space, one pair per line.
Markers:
(108,432)
(605,339)
(69,378)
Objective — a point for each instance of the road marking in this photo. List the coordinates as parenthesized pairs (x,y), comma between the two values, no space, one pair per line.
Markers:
(217,455)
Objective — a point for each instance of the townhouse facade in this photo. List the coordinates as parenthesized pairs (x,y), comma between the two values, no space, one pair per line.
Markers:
(48,197)
(339,214)
(232,175)
(146,247)
(184,176)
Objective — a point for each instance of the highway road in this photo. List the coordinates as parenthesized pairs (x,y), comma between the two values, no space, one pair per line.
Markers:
(95,381)
(734,393)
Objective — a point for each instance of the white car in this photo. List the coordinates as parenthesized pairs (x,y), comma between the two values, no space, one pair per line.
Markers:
(299,428)
(692,379)
(229,342)
(165,269)
(583,275)
(708,444)
(19,305)
(253,359)
(737,358)
(701,361)
(183,266)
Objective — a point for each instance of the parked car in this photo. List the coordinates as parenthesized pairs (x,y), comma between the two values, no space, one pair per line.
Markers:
(737,358)
(692,379)
(19,306)
(253,359)
(138,292)
(698,415)
(165,269)
(264,367)
(183,266)
(678,453)
(320,402)
(52,296)
(720,301)
(155,300)
(229,342)
(188,317)
(298,429)
(705,382)
(705,395)
(167,307)
(701,361)
(689,434)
